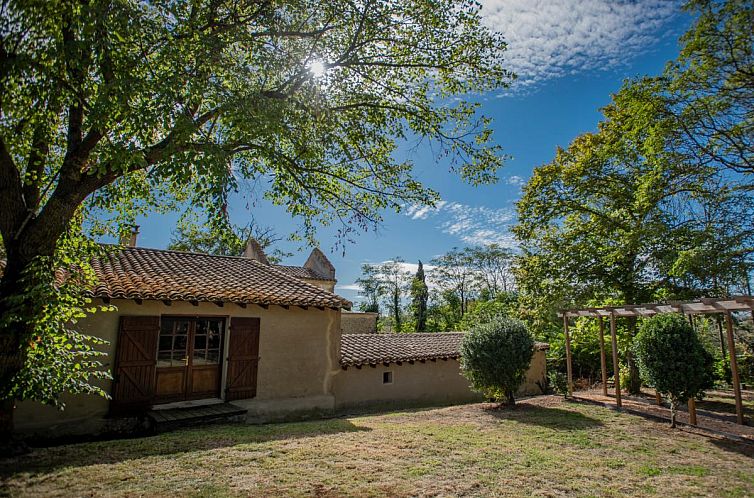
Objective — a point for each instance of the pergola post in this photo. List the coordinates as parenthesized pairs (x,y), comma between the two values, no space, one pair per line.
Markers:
(692,401)
(569,366)
(603,357)
(692,411)
(616,365)
(734,368)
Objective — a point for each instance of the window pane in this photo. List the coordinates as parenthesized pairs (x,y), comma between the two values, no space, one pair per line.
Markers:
(213,356)
(200,342)
(166,342)
(215,326)
(214,341)
(163,359)
(180,343)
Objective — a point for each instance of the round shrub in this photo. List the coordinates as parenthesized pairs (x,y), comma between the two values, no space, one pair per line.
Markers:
(673,360)
(495,357)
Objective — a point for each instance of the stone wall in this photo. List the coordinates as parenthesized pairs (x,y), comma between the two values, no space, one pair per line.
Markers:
(358,323)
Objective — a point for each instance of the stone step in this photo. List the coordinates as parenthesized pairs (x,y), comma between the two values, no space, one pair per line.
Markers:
(174,418)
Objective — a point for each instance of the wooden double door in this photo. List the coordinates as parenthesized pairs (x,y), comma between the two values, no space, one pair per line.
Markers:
(160,359)
(189,358)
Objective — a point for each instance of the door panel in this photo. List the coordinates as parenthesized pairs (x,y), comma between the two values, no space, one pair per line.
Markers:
(204,381)
(134,379)
(243,359)
(171,383)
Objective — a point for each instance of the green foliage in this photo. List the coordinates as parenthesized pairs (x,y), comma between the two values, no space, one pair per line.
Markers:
(58,358)
(585,351)
(673,359)
(419,297)
(494,268)
(558,381)
(194,237)
(453,274)
(504,304)
(710,84)
(495,357)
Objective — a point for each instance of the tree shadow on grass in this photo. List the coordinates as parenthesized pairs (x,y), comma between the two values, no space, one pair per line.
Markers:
(551,418)
(44,460)
(745,449)
(720,406)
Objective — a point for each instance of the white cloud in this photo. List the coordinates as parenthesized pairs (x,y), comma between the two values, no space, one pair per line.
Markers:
(479,225)
(515,180)
(552,38)
(473,225)
(349,287)
(420,212)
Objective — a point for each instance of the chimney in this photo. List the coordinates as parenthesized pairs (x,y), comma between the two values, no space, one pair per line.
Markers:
(320,265)
(254,251)
(128,238)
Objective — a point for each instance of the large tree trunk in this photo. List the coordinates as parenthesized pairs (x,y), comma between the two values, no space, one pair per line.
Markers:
(18,314)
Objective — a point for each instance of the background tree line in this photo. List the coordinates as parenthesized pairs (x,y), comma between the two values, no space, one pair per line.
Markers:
(456,290)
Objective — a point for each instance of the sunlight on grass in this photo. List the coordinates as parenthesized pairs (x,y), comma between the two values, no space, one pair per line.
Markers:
(545,444)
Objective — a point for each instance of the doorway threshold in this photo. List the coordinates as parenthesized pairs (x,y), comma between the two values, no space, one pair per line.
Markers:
(188,404)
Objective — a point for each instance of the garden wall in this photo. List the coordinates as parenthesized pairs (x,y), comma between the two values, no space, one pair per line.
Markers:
(431,383)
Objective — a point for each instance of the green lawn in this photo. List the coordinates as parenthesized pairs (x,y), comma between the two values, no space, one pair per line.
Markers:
(544,447)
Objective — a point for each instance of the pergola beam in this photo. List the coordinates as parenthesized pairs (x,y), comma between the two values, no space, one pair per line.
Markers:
(701,306)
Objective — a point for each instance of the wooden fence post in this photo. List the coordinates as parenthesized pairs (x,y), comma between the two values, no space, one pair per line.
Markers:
(734,368)
(569,366)
(603,357)
(616,365)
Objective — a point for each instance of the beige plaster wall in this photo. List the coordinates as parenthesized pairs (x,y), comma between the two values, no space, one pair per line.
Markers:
(359,323)
(429,383)
(298,352)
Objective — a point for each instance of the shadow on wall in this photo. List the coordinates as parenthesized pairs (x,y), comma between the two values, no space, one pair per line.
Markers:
(44,460)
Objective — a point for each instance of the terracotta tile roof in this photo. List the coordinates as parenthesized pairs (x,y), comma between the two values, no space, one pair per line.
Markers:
(140,273)
(301,272)
(366,349)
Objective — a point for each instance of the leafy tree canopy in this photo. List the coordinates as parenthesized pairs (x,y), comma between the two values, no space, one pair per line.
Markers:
(194,237)
(111,109)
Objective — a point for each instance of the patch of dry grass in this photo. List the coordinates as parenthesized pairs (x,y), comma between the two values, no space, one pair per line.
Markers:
(543,447)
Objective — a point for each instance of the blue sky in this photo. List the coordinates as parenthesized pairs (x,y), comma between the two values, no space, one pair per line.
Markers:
(570,55)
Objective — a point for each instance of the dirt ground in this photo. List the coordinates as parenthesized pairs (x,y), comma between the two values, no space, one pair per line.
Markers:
(717,411)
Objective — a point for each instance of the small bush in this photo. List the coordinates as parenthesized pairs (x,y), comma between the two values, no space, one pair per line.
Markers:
(673,359)
(558,381)
(495,357)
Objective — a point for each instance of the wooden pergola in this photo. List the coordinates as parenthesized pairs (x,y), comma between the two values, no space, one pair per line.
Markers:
(704,306)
